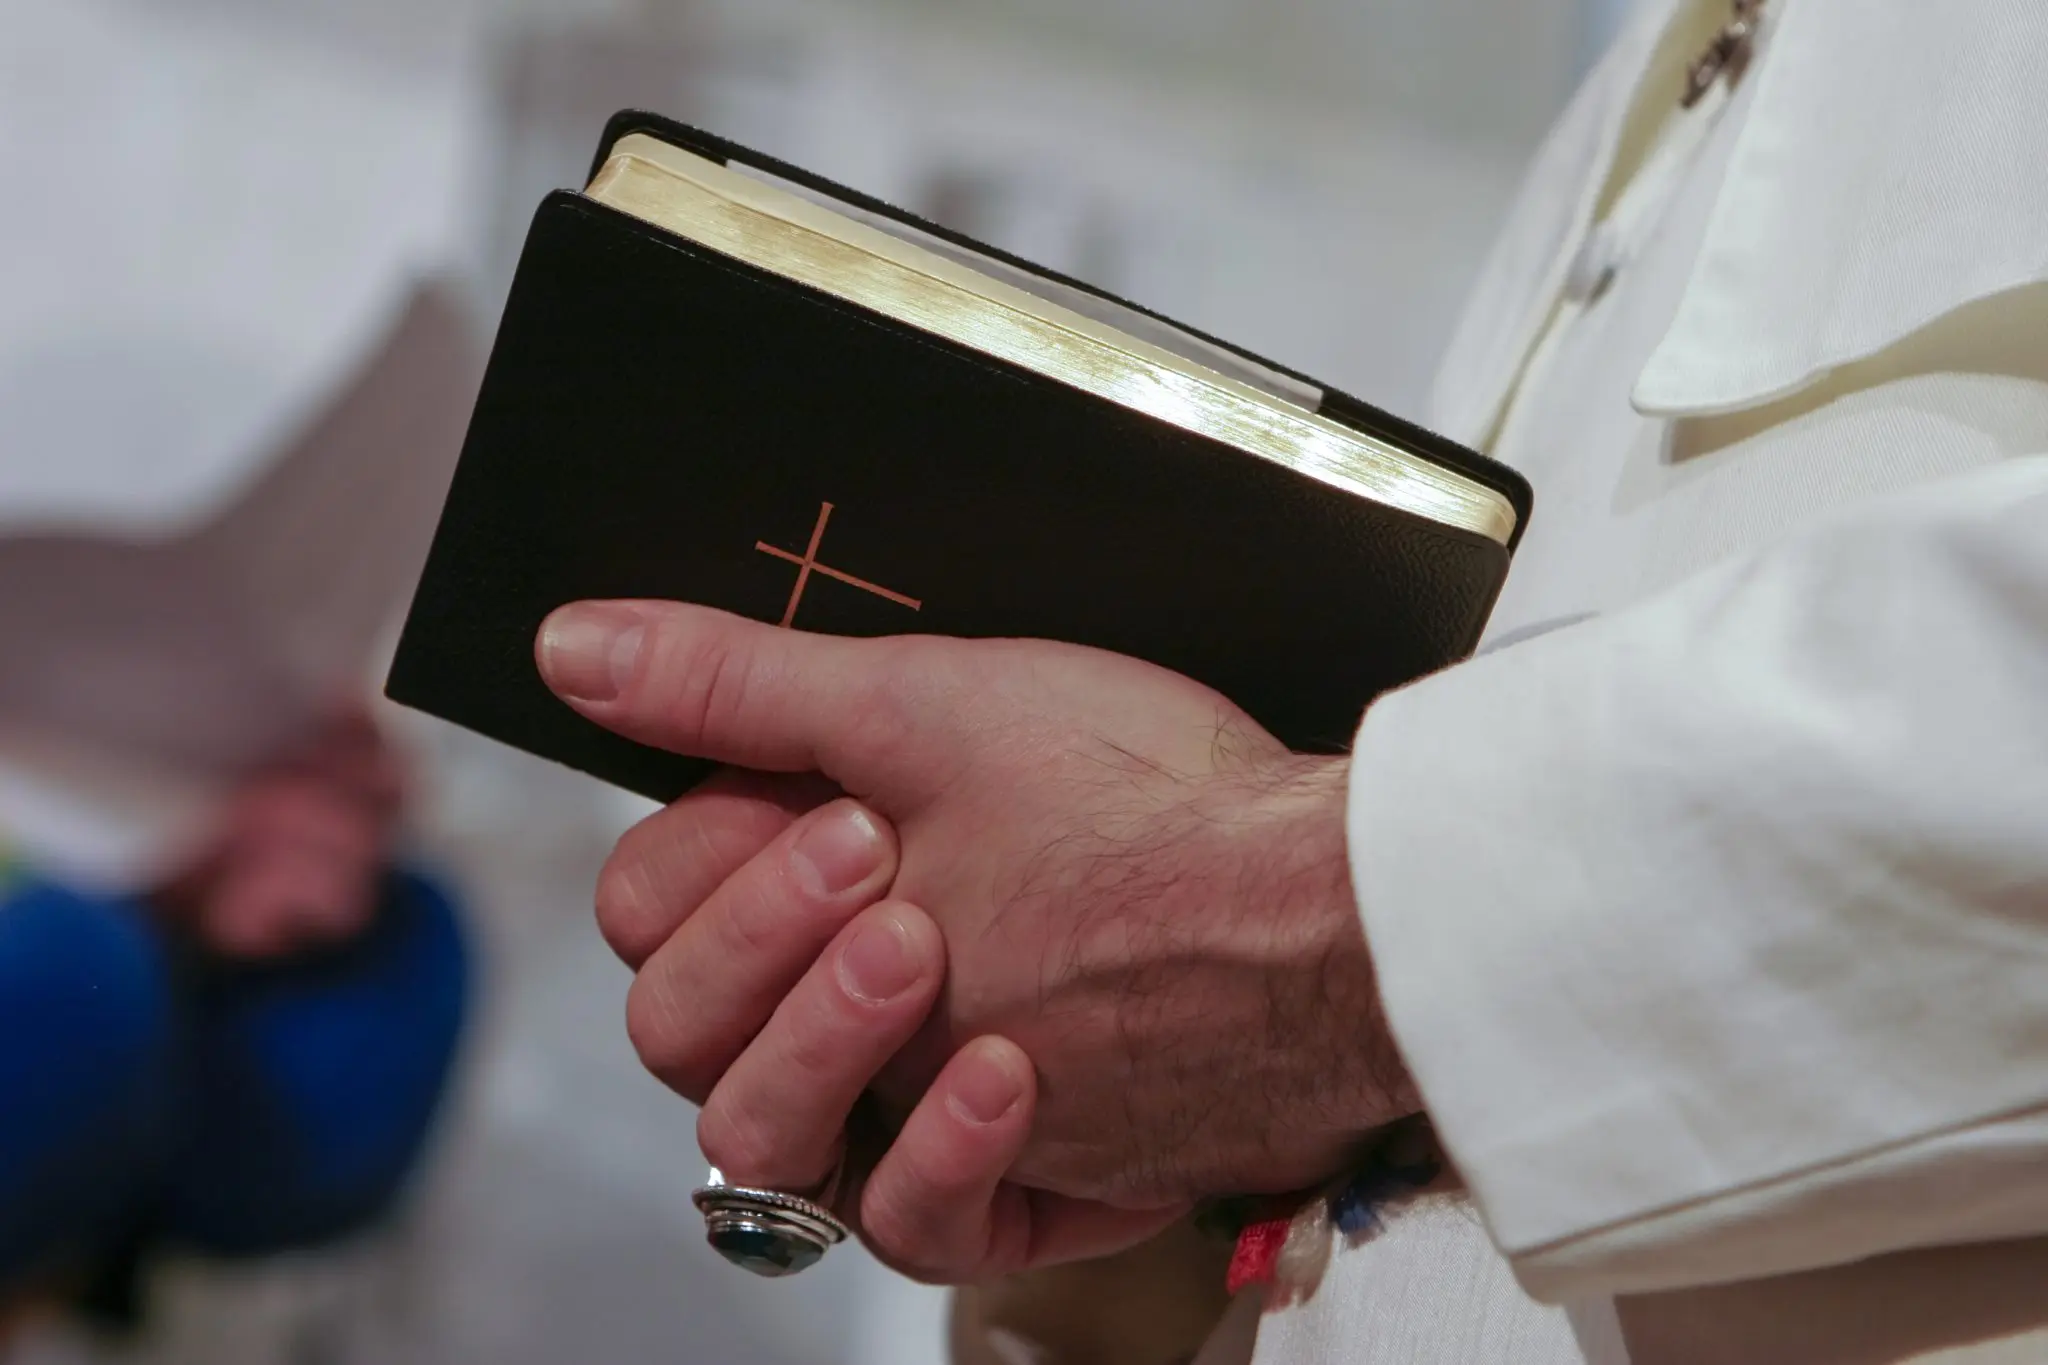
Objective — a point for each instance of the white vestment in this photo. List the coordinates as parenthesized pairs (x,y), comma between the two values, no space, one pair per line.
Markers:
(1710,904)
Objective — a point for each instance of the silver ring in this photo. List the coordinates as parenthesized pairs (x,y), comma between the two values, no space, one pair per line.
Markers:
(768,1232)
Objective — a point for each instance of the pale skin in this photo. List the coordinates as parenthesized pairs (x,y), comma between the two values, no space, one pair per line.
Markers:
(1076,927)
(292,861)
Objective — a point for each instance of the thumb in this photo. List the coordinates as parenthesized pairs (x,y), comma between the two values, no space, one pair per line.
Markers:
(711,685)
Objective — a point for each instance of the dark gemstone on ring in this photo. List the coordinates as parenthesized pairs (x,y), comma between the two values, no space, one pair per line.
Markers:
(766,1253)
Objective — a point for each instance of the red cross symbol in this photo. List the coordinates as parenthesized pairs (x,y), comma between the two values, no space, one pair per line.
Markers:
(807,563)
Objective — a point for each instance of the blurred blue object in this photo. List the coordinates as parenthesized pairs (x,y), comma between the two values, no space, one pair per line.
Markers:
(86,1048)
(236,1111)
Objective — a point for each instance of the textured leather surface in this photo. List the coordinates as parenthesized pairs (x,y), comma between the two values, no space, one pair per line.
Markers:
(654,409)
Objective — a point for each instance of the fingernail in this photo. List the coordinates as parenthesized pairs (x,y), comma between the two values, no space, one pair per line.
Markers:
(840,850)
(587,652)
(990,1088)
(878,964)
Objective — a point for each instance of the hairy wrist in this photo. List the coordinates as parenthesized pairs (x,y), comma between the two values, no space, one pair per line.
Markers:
(1326,1000)
(1259,1055)
(1212,941)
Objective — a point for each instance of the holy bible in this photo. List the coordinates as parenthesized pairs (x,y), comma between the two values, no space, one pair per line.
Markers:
(720,379)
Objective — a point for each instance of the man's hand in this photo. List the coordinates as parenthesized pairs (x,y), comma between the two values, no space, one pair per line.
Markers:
(1134,884)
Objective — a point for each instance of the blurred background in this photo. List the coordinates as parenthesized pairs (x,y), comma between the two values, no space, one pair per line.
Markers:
(215,208)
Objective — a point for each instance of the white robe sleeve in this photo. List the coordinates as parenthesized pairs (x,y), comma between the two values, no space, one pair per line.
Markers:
(1716,931)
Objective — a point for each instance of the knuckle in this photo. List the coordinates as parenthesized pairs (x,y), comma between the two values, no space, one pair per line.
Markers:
(665,1044)
(624,904)
(687,680)
(819,1051)
(907,1238)
(902,690)
(752,925)
(894,1235)
(715,688)
(739,1144)
(665,868)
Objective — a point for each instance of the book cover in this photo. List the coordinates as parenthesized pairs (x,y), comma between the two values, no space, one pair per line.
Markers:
(662,419)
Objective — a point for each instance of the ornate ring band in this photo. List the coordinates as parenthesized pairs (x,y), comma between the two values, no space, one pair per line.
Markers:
(768,1232)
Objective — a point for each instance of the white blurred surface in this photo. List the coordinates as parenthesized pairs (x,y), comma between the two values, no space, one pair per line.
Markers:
(211,203)
(204,219)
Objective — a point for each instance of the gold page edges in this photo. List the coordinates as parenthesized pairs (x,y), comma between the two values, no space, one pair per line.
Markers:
(788,236)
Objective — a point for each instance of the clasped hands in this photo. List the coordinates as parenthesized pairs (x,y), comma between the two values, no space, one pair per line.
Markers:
(1066,939)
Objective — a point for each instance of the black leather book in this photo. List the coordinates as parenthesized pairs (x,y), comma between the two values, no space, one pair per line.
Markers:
(722,380)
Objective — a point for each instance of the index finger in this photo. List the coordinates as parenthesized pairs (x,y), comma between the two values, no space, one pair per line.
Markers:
(666,866)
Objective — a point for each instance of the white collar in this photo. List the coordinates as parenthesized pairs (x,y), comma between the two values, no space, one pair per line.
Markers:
(1893,168)
(1516,293)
